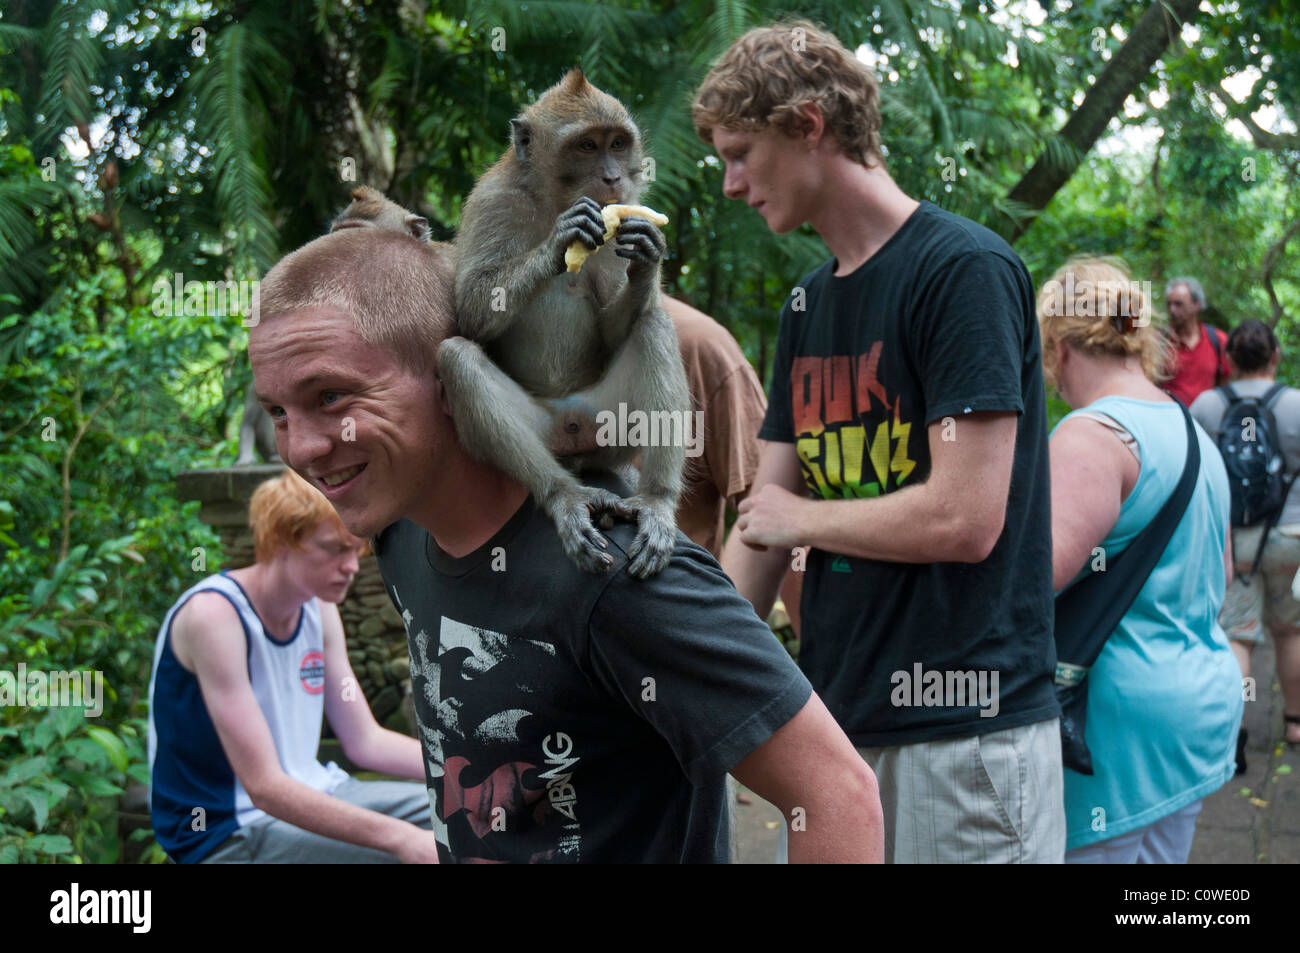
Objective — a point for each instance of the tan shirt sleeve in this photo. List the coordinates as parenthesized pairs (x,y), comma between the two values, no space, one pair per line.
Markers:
(727,392)
(733,414)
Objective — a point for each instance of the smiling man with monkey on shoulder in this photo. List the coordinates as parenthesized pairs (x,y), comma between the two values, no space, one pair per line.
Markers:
(566,715)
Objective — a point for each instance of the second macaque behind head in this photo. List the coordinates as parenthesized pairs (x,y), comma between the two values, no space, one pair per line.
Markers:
(371,209)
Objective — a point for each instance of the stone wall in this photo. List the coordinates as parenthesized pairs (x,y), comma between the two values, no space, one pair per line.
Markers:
(375,636)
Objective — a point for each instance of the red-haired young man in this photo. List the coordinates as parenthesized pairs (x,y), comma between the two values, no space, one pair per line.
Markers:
(246,663)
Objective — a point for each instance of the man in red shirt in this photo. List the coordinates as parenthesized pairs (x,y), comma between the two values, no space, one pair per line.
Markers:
(1198,349)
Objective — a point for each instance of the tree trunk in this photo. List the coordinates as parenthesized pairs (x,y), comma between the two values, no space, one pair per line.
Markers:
(1123,74)
(1271,258)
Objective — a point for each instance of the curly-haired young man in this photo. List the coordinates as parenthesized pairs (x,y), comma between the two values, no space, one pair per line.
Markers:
(907,399)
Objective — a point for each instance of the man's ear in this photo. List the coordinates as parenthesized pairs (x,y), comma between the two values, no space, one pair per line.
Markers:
(812,124)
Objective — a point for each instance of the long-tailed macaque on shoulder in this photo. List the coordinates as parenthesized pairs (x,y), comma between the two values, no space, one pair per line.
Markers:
(546,348)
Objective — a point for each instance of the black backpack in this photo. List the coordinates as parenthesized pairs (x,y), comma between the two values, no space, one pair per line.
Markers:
(1252,455)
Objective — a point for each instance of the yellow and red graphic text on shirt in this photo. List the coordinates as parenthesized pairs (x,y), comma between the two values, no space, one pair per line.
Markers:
(843,452)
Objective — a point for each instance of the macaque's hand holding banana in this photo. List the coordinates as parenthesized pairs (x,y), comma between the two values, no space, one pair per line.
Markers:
(612,216)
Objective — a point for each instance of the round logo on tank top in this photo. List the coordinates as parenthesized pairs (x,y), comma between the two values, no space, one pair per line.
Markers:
(312,672)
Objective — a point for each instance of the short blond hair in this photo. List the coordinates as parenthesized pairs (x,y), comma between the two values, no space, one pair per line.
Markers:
(1094,305)
(768,73)
(398,290)
(284,510)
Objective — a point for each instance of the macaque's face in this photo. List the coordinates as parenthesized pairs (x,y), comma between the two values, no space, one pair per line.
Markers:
(603,164)
(349,417)
(326,563)
(771,172)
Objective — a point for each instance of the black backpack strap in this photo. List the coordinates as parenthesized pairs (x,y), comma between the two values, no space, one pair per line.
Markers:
(1270,523)
(1272,394)
(1087,613)
(1218,351)
(1229,394)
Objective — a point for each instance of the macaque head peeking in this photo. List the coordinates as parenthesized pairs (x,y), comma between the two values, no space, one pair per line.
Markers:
(581,139)
(371,209)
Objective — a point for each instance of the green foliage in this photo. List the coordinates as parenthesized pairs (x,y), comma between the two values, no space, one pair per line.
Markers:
(133,148)
(61,779)
(106,406)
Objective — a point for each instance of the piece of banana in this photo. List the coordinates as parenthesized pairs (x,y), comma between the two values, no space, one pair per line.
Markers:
(576,254)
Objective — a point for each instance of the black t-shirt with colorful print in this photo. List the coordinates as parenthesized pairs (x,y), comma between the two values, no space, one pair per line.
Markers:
(939,323)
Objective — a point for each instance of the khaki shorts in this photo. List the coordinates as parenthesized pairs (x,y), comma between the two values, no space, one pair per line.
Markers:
(989,799)
(997,798)
(1252,603)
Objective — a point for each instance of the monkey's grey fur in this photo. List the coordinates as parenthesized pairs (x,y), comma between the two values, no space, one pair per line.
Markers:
(542,345)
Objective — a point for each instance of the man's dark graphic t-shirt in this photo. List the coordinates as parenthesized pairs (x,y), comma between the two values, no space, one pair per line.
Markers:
(939,323)
(572,717)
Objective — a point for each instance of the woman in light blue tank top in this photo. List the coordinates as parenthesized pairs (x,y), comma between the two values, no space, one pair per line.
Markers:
(1165,694)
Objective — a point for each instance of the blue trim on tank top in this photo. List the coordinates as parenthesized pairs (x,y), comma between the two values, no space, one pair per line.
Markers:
(171,624)
(216,835)
(302,612)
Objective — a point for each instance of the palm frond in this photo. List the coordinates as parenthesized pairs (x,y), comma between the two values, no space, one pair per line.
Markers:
(70,67)
(232,119)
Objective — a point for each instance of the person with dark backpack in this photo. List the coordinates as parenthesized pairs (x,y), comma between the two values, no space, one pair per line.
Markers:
(1255,422)
(1252,455)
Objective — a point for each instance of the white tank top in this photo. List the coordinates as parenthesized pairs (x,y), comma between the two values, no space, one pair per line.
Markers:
(188,767)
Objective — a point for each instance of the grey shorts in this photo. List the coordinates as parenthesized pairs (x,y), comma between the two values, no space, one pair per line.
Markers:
(1167,841)
(272,841)
(997,798)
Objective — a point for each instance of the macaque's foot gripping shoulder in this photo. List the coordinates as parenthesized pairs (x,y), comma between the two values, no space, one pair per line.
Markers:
(577,510)
(656,535)
(572,509)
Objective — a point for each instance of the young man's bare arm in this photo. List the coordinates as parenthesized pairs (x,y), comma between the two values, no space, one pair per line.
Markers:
(757,573)
(367,744)
(828,794)
(956,515)
(209,640)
